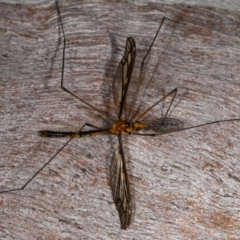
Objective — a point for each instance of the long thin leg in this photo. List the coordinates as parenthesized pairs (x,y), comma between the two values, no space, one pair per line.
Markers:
(174,95)
(63,64)
(46,133)
(174,92)
(136,88)
(21,188)
(142,64)
(51,133)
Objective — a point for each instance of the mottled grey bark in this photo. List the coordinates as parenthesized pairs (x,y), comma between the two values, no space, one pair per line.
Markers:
(185,185)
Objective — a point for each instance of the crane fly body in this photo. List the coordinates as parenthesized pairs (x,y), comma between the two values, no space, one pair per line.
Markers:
(119,127)
(127,122)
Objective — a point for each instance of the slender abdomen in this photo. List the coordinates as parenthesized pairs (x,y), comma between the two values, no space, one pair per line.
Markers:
(49,134)
(53,134)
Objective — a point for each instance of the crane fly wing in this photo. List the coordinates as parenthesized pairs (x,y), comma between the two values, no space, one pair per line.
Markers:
(165,125)
(118,172)
(120,186)
(123,75)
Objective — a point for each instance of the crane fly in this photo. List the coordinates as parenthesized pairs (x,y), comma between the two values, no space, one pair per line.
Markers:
(127,122)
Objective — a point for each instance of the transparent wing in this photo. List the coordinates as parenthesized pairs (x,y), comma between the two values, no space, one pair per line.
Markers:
(120,186)
(123,75)
(165,125)
(159,126)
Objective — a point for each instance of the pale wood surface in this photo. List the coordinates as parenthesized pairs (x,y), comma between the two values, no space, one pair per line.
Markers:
(185,185)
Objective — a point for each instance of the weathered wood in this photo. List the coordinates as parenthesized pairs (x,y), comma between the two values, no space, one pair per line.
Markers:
(185,185)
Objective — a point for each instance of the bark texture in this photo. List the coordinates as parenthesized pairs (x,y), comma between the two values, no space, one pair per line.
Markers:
(185,185)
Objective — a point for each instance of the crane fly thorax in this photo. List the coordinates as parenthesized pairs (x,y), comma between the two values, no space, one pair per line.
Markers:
(138,126)
(125,127)
(121,126)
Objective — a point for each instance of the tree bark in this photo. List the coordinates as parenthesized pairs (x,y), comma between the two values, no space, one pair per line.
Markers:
(185,185)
